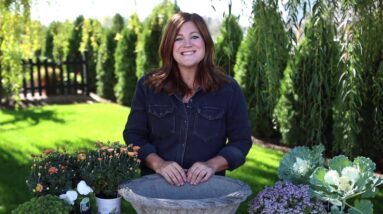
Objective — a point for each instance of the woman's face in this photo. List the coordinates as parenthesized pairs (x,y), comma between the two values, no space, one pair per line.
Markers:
(189,47)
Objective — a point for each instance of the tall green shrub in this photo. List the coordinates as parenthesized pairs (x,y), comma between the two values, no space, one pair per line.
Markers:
(228,43)
(118,24)
(105,66)
(75,38)
(106,79)
(149,41)
(304,111)
(261,60)
(14,26)
(125,62)
(90,41)
(358,126)
(61,40)
(48,43)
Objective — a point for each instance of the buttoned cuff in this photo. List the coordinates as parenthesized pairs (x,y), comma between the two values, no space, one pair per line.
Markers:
(233,156)
(145,151)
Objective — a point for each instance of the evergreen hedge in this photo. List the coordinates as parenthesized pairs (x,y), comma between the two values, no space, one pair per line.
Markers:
(149,40)
(106,79)
(125,62)
(304,111)
(228,43)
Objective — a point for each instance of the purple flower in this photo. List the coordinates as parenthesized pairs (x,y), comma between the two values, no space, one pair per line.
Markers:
(285,197)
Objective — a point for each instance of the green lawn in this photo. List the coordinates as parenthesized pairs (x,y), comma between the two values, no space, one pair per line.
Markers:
(30,131)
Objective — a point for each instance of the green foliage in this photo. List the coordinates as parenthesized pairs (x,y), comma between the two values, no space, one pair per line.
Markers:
(358,126)
(52,173)
(228,43)
(90,41)
(345,179)
(261,59)
(118,23)
(125,62)
(14,27)
(149,41)
(61,40)
(106,79)
(48,43)
(107,166)
(304,111)
(75,38)
(105,69)
(43,205)
(299,163)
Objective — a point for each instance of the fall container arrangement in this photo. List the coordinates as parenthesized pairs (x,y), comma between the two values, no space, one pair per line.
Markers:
(312,185)
(105,168)
(75,178)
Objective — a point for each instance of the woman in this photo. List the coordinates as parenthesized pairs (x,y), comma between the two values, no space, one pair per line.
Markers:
(188,117)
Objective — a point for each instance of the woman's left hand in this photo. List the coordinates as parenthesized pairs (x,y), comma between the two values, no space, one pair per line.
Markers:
(199,172)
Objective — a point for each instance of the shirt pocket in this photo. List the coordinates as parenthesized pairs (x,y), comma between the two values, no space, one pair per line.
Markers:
(162,120)
(208,122)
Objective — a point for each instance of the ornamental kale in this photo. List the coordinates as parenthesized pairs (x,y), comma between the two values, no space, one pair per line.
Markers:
(286,197)
(345,179)
(298,164)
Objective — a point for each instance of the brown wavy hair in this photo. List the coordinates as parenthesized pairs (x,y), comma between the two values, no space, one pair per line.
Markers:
(209,77)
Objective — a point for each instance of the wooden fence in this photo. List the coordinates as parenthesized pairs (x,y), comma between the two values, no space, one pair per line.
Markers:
(55,78)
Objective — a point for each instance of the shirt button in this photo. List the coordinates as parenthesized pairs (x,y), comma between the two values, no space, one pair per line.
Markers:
(185,121)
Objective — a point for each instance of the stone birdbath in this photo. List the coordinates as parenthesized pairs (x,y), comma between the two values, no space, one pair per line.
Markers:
(152,194)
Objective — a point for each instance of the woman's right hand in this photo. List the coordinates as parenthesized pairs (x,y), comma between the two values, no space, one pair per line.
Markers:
(172,172)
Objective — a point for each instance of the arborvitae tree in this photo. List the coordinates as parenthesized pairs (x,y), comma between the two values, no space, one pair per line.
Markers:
(125,57)
(105,66)
(90,41)
(149,41)
(228,43)
(49,37)
(61,39)
(358,125)
(75,38)
(106,79)
(304,112)
(118,23)
(259,67)
(14,26)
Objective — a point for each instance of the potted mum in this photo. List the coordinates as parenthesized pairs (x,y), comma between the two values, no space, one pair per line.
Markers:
(105,168)
(52,172)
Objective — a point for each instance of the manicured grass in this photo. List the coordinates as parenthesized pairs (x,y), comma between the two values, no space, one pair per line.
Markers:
(30,131)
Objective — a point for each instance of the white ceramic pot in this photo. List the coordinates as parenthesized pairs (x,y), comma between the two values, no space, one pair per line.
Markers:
(108,206)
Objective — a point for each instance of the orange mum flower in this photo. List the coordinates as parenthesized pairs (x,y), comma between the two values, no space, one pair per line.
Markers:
(52,170)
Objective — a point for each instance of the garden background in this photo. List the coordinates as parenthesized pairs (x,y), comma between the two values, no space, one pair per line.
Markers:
(313,75)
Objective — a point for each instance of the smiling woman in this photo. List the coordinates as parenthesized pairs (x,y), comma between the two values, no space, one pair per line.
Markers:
(184,112)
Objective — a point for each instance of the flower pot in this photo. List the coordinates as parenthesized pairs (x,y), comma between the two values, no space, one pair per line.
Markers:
(152,194)
(108,206)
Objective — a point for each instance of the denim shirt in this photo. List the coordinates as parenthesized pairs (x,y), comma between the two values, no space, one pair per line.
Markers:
(210,124)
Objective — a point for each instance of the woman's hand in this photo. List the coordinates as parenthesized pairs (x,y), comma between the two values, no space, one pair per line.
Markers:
(199,172)
(172,172)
